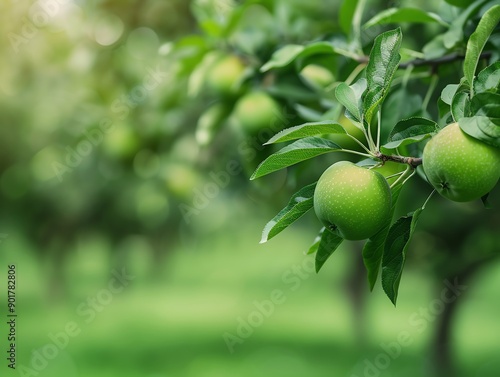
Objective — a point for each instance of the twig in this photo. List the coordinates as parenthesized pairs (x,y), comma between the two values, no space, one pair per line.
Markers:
(434,63)
(442,60)
(412,161)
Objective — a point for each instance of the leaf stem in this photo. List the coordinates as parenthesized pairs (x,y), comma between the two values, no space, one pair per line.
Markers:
(395,175)
(356,71)
(379,126)
(429,198)
(401,177)
(411,175)
(356,152)
(417,75)
(430,91)
(368,135)
(406,76)
(359,142)
(356,24)
(347,54)
(375,166)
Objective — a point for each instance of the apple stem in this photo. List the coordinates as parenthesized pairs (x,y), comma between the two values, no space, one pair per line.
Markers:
(411,175)
(395,175)
(429,198)
(408,168)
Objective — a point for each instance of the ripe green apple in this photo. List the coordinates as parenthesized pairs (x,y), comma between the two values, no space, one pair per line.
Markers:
(225,75)
(460,167)
(256,111)
(353,200)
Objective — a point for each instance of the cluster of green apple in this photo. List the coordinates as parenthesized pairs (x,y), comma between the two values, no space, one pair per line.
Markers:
(251,109)
(356,201)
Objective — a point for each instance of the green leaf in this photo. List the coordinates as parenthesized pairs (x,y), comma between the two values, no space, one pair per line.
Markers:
(444,112)
(299,204)
(373,250)
(328,244)
(488,79)
(459,3)
(283,57)
(307,113)
(307,130)
(346,96)
(399,104)
(383,63)
(482,128)
(478,40)
(435,48)
(346,15)
(289,53)
(448,93)
(398,15)
(291,91)
(315,245)
(486,104)
(456,32)
(358,88)
(486,202)
(294,153)
(460,106)
(409,131)
(395,253)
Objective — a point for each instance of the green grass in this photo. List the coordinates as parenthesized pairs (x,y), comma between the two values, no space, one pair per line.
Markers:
(174,326)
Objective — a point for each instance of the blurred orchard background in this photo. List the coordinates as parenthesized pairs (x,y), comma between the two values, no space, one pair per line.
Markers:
(105,165)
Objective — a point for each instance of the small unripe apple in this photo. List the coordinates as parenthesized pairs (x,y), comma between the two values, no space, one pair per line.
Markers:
(352,200)
(225,76)
(124,143)
(460,167)
(317,76)
(256,111)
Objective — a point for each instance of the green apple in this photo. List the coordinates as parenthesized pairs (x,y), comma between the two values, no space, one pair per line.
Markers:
(317,76)
(352,200)
(460,167)
(123,144)
(225,75)
(256,111)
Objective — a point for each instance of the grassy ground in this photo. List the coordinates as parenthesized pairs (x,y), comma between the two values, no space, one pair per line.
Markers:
(174,325)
